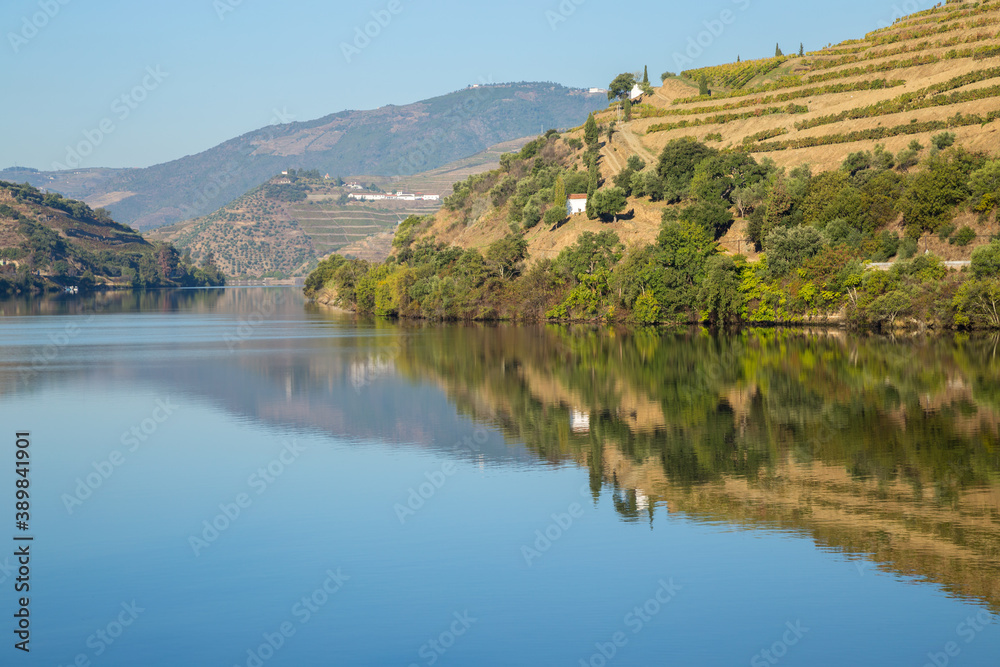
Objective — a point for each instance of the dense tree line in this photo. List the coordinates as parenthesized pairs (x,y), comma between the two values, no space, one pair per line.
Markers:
(816,233)
(82,257)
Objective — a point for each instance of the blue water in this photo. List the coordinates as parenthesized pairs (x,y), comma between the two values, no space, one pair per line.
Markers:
(312,431)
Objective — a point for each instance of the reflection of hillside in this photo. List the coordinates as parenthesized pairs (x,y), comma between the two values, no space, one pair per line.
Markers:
(887,449)
(956,545)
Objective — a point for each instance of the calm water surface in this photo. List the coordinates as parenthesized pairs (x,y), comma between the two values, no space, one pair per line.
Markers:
(233,477)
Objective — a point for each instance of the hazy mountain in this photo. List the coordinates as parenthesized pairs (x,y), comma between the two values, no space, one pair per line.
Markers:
(392,140)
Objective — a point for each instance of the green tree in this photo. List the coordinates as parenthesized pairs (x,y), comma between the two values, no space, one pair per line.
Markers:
(986,261)
(609,202)
(590,131)
(703,85)
(777,51)
(590,253)
(977,303)
(788,248)
(504,256)
(984,186)
(720,296)
(677,163)
(621,86)
(802,49)
(559,193)
(645,75)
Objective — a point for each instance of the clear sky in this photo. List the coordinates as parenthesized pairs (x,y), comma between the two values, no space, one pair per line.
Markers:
(195,73)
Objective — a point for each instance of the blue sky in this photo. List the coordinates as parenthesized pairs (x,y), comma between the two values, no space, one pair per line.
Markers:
(195,73)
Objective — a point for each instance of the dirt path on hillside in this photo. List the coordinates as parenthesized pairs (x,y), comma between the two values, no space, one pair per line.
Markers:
(634,145)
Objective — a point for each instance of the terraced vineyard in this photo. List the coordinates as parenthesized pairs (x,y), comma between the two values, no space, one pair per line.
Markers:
(935,70)
(332,226)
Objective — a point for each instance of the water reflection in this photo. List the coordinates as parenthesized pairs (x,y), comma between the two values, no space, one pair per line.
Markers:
(869,446)
(876,447)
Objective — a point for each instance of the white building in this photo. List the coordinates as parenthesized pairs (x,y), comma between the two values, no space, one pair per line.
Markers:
(576,204)
(636,93)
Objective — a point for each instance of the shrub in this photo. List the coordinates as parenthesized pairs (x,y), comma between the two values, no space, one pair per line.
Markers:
(907,248)
(555,215)
(943,140)
(964,236)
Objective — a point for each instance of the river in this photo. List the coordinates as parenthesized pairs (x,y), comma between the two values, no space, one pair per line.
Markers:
(236,477)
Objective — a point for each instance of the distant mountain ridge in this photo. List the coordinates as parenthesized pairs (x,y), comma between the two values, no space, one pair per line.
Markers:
(391,140)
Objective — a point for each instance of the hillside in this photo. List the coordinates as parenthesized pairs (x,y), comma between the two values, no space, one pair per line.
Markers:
(49,242)
(389,141)
(830,186)
(267,233)
(930,72)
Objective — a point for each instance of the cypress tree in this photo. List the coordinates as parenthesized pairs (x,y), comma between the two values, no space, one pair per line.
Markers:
(559,195)
(703,85)
(645,75)
(777,51)
(590,133)
(592,182)
(802,49)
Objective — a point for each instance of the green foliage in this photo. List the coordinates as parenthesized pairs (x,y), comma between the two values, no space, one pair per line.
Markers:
(777,51)
(677,163)
(591,253)
(608,202)
(984,187)
(721,299)
(977,303)
(930,195)
(943,140)
(703,85)
(621,86)
(964,236)
(531,216)
(788,248)
(646,309)
(590,132)
(504,257)
(986,261)
(555,215)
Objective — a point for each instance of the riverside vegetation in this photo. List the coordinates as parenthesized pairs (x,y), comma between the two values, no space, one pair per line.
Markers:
(49,242)
(816,233)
